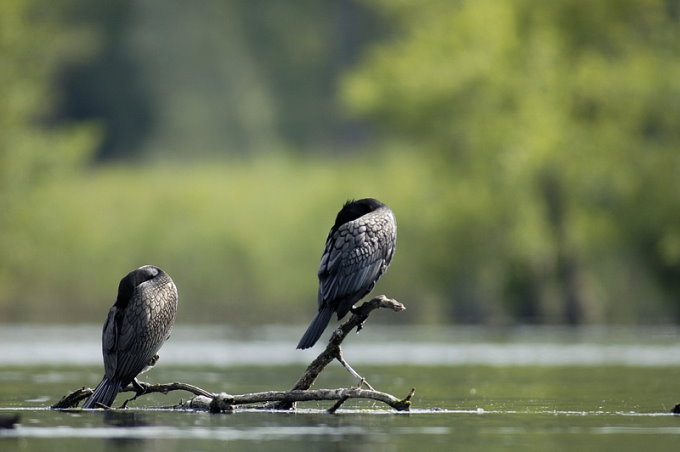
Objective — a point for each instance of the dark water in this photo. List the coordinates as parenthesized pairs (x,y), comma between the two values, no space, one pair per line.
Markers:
(475,390)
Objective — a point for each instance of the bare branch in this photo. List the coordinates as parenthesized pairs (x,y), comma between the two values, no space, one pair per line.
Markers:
(71,400)
(278,400)
(207,404)
(164,388)
(333,350)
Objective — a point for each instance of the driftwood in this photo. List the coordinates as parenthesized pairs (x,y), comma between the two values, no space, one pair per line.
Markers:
(74,398)
(333,350)
(227,402)
(278,400)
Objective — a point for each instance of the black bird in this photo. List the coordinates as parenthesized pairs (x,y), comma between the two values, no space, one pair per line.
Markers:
(8,421)
(359,248)
(137,325)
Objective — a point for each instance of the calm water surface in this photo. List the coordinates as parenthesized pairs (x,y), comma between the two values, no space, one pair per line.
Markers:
(519,389)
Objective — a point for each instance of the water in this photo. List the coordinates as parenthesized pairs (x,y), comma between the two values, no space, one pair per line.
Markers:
(476,389)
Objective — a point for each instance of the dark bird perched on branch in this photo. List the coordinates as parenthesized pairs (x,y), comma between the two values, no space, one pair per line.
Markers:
(359,248)
(138,324)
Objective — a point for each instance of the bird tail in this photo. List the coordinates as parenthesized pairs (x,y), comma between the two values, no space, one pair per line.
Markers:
(105,393)
(316,328)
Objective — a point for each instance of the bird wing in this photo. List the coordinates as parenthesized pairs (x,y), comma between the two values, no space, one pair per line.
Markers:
(109,342)
(354,257)
(133,351)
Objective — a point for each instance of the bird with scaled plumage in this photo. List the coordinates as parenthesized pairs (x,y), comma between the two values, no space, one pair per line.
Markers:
(136,327)
(358,250)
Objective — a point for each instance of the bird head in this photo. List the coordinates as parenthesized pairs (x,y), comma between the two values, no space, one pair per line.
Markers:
(133,279)
(354,209)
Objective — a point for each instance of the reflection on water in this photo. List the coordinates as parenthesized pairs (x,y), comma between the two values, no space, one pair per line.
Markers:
(126,423)
(120,418)
(266,433)
(210,345)
(353,430)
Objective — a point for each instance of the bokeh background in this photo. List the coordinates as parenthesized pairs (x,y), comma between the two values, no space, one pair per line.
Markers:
(529,149)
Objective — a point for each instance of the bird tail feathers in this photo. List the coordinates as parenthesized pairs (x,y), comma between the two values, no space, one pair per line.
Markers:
(105,393)
(316,328)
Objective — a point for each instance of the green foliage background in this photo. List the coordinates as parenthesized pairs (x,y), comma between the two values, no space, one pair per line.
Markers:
(530,151)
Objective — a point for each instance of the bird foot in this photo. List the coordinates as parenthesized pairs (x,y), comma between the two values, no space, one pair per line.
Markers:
(356,311)
(140,389)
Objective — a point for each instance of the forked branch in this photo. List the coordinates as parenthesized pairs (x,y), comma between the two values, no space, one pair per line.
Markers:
(277,400)
(333,350)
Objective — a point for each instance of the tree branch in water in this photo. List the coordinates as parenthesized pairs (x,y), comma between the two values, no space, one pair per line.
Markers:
(333,350)
(278,400)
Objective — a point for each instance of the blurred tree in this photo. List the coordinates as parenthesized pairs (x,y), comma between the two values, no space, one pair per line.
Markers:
(106,85)
(302,49)
(237,77)
(554,128)
(35,43)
